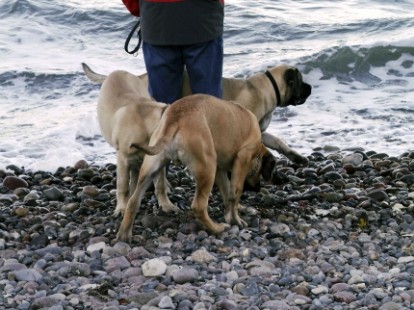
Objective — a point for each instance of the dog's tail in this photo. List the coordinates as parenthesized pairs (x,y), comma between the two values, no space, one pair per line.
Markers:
(168,133)
(150,150)
(92,75)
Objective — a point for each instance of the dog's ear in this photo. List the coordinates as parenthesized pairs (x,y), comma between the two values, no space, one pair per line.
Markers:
(268,164)
(293,80)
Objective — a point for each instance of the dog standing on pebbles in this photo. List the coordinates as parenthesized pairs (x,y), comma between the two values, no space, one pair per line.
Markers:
(211,137)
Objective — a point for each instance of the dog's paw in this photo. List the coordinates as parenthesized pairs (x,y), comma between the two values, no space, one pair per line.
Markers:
(219,228)
(299,159)
(170,208)
(241,223)
(227,217)
(124,237)
(118,211)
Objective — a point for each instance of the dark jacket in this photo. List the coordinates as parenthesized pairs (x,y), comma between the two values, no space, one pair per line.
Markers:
(181,22)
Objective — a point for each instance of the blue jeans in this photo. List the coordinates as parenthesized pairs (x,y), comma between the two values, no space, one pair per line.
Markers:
(165,68)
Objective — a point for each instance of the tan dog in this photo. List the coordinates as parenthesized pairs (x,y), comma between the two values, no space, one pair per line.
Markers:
(211,137)
(127,115)
(279,86)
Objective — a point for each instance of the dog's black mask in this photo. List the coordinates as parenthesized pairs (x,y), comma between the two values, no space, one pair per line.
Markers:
(297,91)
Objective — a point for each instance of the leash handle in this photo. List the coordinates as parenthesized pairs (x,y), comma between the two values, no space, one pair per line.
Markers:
(135,50)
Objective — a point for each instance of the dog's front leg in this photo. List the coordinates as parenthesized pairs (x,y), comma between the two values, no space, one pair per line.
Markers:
(277,144)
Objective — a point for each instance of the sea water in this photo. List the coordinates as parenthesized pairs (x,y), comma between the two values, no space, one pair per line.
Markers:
(357,55)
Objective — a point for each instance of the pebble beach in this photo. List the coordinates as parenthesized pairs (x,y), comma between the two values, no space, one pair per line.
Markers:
(334,234)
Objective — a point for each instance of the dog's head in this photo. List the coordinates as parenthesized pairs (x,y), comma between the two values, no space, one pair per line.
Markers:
(293,90)
(261,165)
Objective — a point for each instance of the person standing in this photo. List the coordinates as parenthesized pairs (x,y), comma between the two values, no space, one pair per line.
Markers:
(178,35)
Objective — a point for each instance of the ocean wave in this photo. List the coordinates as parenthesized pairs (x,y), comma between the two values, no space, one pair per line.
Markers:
(91,19)
(348,64)
(45,82)
(18,7)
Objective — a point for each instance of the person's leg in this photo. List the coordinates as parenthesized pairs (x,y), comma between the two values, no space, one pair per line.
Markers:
(165,68)
(204,63)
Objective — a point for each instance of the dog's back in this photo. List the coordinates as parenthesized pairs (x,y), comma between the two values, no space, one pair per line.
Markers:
(206,118)
(119,90)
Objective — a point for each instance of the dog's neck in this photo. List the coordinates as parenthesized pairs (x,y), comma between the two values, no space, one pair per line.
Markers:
(274,84)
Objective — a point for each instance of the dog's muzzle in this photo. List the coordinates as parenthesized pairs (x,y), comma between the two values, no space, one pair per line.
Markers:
(305,92)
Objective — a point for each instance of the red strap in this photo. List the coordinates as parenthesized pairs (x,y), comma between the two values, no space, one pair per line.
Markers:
(132,6)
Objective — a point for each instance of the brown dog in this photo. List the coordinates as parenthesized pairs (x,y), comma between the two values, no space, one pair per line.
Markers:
(211,137)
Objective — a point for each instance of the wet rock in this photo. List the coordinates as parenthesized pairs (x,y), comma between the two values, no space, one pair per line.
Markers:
(13,182)
(378,195)
(53,193)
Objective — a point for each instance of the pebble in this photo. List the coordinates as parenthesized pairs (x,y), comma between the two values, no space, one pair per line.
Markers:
(14,182)
(185,275)
(154,267)
(320,289)
(304,247)
(202,256)
(405,259)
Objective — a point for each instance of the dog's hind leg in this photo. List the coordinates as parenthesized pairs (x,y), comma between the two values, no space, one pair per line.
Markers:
(223,184)
(238,176)
(122,183)
(133,167)
(204,175)
(161,190)
(150,167)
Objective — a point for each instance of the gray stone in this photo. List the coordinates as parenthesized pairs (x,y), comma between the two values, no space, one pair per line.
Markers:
(166,303)
(391,306)
(154,267)
(28,275)
(203,256)
(185,275)
(346,297)
(276,304)
(53,194)
(116,263)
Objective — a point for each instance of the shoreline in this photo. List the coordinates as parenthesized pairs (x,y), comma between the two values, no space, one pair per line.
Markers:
(336,234)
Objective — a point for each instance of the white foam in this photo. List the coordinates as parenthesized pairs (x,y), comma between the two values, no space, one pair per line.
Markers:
(43,129)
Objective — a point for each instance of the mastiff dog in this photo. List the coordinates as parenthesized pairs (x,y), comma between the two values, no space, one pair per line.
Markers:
(127,115)
(211,137)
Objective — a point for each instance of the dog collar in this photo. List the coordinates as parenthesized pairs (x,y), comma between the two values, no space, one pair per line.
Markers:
(274,84)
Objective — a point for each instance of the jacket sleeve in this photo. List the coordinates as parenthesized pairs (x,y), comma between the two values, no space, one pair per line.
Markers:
(132,6)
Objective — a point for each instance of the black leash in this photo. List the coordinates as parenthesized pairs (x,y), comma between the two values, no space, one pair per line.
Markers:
(135,50)
(274,84)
